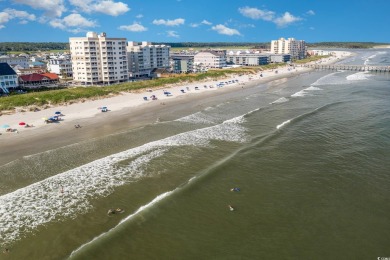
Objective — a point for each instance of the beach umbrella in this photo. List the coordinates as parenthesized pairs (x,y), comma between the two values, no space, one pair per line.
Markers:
(4,126)
(22,123)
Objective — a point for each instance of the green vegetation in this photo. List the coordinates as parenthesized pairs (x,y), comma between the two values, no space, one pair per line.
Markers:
(19,47)
(311,58)
(216,45)
(346,45)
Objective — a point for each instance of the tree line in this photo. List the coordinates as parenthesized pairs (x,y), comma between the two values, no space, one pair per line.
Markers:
(47,46)
(32,46)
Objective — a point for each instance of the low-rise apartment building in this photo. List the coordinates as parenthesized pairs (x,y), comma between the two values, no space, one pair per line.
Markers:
(278,58)
(247,59)
(210,59)
(182,63)
(60,66)
(15,60)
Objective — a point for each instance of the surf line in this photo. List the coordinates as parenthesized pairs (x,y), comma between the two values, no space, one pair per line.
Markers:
(139,210)
(162,196)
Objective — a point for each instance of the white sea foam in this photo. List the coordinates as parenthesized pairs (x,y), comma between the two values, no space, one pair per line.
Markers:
(305,92)
(283,124)
(312,88)
(301,93)
(330,79)
(197,118)
(280,100)
(359,76)
(68,194)
(139,210)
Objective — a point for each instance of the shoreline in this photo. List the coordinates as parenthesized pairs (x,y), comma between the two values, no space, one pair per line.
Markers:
(126,111)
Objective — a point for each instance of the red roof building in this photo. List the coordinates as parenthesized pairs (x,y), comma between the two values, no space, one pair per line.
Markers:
(38,80)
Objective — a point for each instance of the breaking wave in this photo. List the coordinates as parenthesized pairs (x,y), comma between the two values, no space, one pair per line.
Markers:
(359,76)
(280,100)
(70,193)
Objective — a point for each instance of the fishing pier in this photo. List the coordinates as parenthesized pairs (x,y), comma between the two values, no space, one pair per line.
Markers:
(349,67)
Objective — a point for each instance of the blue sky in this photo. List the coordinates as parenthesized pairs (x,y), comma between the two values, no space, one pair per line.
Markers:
(196,20)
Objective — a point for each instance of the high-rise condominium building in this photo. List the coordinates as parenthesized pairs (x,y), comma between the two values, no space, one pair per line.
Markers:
(97,59)
(296,48)
(144,57)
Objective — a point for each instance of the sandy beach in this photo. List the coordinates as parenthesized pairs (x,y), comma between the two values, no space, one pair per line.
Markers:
(125,111)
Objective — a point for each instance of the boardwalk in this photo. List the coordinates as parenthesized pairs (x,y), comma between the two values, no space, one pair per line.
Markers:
(349,67)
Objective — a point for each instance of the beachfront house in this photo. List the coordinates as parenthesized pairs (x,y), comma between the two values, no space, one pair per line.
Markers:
(8,78)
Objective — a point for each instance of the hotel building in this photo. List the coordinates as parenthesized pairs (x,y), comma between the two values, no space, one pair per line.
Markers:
(144,58)
(98,60)
(296,48)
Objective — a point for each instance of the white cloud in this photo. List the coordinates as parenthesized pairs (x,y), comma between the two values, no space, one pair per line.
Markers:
(222,29)
(4,17)
(286,19)
(20,14)
(108,7)
(76,20)
(72,20)
(310,12)
(53,8)
(139,16)
(9,14)
(175,22)
(206,22)
(2,26)
(135,27)
(281,21)
(257,14)
(172,34)
(111,8)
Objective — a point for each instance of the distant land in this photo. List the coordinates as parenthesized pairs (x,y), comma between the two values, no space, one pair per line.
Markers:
(47,46)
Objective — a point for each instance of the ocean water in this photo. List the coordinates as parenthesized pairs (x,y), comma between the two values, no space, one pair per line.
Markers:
(310,155)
